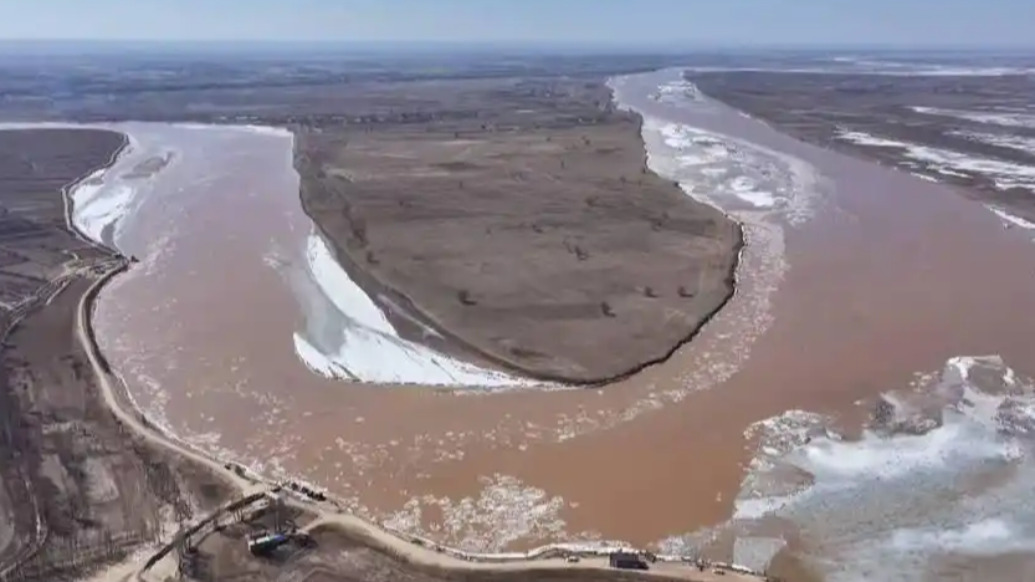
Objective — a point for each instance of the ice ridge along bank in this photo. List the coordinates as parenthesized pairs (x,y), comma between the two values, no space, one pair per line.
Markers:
(347,336)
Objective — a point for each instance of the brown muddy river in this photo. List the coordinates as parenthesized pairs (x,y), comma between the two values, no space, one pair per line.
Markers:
(855,279)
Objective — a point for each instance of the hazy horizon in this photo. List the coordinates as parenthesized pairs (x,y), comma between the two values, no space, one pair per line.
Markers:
(624,24)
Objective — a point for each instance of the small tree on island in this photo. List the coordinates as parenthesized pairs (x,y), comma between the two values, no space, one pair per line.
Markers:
(465,297)
(605,308)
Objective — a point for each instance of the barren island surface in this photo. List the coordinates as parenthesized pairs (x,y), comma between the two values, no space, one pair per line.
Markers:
(516,222)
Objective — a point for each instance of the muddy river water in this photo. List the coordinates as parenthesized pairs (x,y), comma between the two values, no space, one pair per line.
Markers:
(857,281)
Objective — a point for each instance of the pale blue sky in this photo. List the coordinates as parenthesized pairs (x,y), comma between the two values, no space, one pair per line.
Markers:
(656,22)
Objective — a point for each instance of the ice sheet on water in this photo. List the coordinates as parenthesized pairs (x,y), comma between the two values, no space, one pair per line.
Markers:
(1014,142)
(1003,174)
(889,504)
(729,173)
(102,199)
(107,199)
(366,347)
(97,206)
(1003,118)
(1009,220)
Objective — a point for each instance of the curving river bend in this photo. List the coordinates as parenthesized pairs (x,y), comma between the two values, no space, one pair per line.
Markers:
(855,279)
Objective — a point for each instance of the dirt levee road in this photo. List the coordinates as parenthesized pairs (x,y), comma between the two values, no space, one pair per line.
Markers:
(520,218)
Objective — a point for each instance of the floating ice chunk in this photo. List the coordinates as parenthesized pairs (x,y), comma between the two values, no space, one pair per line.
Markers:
(865,139)
(1005,175)
(892,502)
(755,553)
(993,536)
(346,295)
(745,189)
(96,207)
(1011,220)
(987,117)
(1015,142)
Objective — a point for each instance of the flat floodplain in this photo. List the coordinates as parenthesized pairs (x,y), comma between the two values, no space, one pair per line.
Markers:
(854,279)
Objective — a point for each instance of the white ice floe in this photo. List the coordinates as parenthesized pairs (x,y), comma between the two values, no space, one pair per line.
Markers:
(366,347)
(102,200)
(506,510)
(988,537)
(103,203)
(755,553)
(870,65)
(727,172)
(1009,220)
(866,139)
(873,507)
(1014,142)
(1003,174)
(1003,118)
(676,91)
(96,206)
(884,68)
(746,189)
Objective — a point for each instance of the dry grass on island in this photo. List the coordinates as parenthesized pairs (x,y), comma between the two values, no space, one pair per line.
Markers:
(519,218)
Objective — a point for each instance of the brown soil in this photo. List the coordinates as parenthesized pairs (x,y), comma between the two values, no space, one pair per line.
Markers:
(78,488)
(530,230)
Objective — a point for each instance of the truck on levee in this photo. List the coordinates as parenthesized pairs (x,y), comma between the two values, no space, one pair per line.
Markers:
(627,561)
(264,543)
